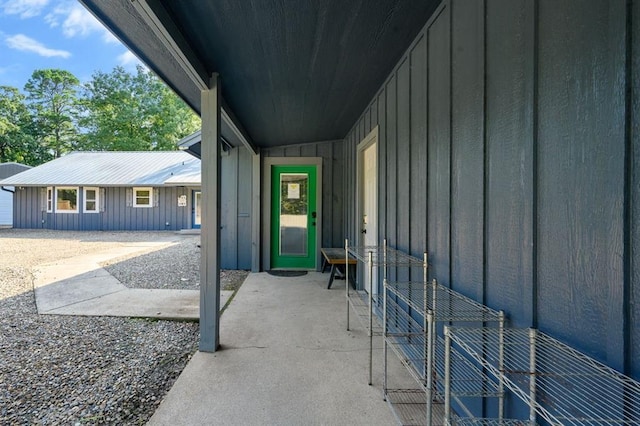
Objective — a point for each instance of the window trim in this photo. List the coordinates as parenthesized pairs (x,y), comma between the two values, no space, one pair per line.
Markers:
(96,199)
(49,199)
(75,188)
(135,198)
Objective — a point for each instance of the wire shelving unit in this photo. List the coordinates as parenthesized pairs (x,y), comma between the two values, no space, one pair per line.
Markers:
(559,384)
(412,310)
(365,304)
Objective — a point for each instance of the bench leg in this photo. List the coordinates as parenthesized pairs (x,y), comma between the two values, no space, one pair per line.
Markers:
(333,274)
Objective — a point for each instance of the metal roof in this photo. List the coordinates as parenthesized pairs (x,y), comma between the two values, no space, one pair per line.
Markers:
(155,168)
(12,168)
(191,144)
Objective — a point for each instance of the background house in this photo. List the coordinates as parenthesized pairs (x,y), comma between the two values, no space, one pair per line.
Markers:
(110,191)
(6,192)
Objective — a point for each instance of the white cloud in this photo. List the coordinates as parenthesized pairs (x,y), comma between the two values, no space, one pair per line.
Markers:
(128,59)
(76,21)
(27,44)
(109,38)
(24,8)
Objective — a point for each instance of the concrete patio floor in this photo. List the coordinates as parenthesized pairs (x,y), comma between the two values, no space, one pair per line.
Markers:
(80,286)
(286,358)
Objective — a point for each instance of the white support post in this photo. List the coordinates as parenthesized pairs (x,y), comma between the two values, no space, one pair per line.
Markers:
(532,376)
(425,309)
(432,324)
(210,232)
(370,266)
(384,337)
(425,324)
(501,367)
(429,376)
(346,276)
(255,212)
(447,377)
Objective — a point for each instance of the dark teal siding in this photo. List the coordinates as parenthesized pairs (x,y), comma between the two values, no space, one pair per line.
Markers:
(632,246)
(508,149)
(580,174)
(439,148)
(235,209)
(509,158)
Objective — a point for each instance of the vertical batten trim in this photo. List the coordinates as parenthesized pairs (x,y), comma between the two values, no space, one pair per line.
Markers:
(534,168)
(485,157)
(629,182)
(450,272)
(409,140)
(426,149)
(485,173)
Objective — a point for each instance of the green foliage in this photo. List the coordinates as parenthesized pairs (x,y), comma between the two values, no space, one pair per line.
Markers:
(125,112)
(294,206)
(52,99)
(115,111)
(16,142)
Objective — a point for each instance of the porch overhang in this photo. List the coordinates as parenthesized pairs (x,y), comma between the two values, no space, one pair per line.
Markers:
(263,74)
(290,72)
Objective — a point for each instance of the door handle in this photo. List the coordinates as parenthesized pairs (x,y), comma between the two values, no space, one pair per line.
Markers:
(364,231)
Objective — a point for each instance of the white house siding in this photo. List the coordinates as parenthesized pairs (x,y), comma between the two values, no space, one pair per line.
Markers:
(6,207)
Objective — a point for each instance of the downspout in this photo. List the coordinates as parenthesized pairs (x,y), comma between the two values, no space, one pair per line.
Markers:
(7,190)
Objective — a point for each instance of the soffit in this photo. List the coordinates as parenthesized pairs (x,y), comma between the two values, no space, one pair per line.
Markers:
(292,71)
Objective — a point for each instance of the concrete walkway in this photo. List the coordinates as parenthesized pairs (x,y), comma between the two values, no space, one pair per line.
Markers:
(79,286)
(286,358)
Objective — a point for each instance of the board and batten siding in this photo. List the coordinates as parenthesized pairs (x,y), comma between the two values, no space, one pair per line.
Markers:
(116,213)
(235,204)
(509,141)
(333,161)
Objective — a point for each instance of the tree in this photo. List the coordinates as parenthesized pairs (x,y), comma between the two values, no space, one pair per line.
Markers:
(52,96)
(16,143)
(126,112)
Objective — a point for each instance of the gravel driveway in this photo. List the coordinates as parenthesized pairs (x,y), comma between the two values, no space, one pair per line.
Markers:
(91,370)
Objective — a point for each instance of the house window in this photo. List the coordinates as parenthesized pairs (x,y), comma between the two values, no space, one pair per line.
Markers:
(91,200)
(49,199)
(66,200)
(142,197)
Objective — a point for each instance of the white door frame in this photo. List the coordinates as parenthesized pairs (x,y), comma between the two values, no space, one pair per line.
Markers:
(368,141)
(194,213)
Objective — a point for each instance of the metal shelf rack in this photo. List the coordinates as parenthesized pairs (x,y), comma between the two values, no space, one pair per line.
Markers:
(559,384)
(410,331)
(374,257)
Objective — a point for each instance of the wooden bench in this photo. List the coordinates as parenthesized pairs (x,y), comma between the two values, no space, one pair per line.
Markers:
(336,258)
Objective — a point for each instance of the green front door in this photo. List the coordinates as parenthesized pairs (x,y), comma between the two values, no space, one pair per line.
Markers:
(293,217)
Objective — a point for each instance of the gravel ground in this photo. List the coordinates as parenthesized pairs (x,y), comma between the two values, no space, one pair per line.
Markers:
(182,272)
(80,370)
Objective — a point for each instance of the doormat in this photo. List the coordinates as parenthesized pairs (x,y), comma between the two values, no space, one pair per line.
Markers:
(278,273)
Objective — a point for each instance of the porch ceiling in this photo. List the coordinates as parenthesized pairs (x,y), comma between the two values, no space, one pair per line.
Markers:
(292,71)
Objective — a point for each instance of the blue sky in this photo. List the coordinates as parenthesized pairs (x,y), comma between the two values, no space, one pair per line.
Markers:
(37,34)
